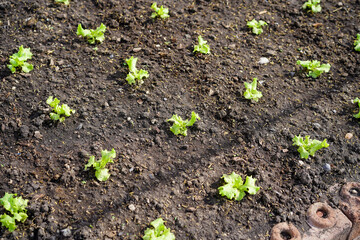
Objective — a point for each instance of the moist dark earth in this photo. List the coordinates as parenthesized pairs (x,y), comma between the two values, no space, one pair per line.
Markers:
(157,174)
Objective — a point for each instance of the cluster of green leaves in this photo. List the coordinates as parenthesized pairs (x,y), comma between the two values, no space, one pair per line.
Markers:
(251,92)
(102,173)
(179,125)
(202,47)
(314,68)
(256,26)
(18,60)
(135,74)
(17,207)
(357,43)
(357,100)
(313,6)
(91,35)
(158,232)
(159,11)
(66,2)
(60,112)
(235,188)
(308,147)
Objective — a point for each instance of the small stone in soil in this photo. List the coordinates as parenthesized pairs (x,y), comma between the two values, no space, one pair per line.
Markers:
(327,167)
(263,60)
(132,207)
(66,232)
(348,136)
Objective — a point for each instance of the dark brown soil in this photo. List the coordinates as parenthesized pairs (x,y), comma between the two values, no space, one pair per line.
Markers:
(157,174)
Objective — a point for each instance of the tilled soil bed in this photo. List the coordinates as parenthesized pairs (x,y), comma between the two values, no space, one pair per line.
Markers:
(157,174)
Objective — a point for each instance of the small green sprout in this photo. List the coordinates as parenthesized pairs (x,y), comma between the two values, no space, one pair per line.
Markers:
(66,2)
(314,68)
(251,92)
(135,74)
(18,60)
(60,112)
(234,187)
(102,173)
(313,6)
(256,26)
(17,207)
(179,126)
(202,47)
(158,232)
(308,147)
(357,43)
(159,12)
(91,35)
(357,100)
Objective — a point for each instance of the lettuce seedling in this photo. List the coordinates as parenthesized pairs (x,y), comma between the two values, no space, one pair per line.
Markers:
(312,5)
(357,43)
(17,207)
(60,112)
(308,147)
(179,126)
(159,12)
(66,2)
(235,188)
(251,92)
(91,35)
(314,68)
(357,100)
(158,232)
(202,47)
(135,74)
(256,26)
(102,173)
(18,60)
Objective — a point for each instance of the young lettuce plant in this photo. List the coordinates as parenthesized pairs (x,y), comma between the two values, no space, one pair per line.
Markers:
(357,43)
(256,26)
(102,173)
(313,6)
(179,125)
(308,147)
(66,2)
(357,100)
(158,232)
(159,12)
(314,68)
(235,188)
(60,112)
(18,60)
(202,47)
(17,207)
(134,74)
(91,35)
(251,92)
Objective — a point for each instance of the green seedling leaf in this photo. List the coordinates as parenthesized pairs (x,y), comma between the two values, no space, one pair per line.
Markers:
(158,232)
(202,47)
(256,26)
(308,147)
(357,100)
(66,2)
(314,68)
(18,60)
(135,76)
(179,125)
(357,43)
(101,173)
(234,187)
(251,92)
(91,35)
(59,111)
(17,207)
(313,6)
(159,11)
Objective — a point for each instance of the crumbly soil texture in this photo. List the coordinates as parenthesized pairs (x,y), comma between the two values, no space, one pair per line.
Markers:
(155,173)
